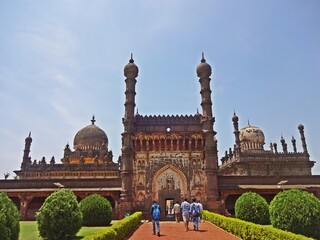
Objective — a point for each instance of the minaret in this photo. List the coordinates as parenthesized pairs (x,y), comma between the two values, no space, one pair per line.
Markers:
(210,148)
(130,72)
(26,152)
(236,132)
(303,139)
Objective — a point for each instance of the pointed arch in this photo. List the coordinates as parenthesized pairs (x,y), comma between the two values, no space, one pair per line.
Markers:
(169,177)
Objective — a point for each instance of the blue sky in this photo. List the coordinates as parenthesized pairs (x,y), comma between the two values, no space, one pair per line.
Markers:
(62,61)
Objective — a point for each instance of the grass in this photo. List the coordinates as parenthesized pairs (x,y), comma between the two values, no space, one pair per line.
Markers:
(29,231)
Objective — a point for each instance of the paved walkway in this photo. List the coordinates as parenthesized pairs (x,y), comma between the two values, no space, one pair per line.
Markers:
(176,231)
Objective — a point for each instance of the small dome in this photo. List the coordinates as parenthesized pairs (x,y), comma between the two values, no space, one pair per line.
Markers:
(300,127)
(90,137)
(251,138)
(131,70)
(235,118)
(204,69)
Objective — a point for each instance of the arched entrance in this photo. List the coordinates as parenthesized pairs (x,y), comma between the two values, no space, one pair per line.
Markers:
(169,185)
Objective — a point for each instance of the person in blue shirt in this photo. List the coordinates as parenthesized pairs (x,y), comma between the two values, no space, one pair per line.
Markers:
(195,213)
(155,215)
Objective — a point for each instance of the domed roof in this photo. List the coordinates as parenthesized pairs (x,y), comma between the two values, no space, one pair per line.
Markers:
(131,70)
(251,137)
(90,137)
(204,69)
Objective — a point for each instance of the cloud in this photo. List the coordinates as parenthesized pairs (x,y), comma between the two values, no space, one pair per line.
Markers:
(56,42)
(63,80)
(65,113)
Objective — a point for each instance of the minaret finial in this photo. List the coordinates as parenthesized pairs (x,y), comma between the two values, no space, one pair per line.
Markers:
(249,122)
(30,134)
(131,59)
(93,120)
(203,59)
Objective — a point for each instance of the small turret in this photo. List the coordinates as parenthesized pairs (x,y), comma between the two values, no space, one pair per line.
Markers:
(275,148)
(26,160)
(284,145)
(293,140)
(303,139)
(236,131)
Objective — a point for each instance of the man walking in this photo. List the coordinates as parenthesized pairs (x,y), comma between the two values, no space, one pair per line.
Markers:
(176,209)
(185,208)
(155,214)
(195,214)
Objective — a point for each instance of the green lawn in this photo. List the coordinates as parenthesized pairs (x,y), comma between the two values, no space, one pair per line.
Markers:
(29,231)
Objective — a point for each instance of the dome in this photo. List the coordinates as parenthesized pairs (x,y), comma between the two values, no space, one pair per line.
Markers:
(251,138)
(204,69)
(131,70)
(90,137)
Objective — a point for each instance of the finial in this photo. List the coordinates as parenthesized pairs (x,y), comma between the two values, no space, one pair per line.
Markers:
(137,112)
(203,59)
(93,120)
(30,134)
(131,59)
(249,123)
(197,111)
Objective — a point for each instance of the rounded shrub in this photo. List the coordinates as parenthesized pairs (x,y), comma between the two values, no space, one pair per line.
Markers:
(60,216)
(96,211)
(296,211)
(252,207)
(9,218)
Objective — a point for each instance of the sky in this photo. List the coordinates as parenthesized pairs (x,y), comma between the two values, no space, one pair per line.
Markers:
(61,61)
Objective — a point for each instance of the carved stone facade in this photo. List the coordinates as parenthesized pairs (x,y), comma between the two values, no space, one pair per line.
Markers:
(168,164)
(164,158)
(168,158)
(249,158)
(90,159)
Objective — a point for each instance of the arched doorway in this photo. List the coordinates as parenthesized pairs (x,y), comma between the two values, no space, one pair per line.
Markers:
(169,185)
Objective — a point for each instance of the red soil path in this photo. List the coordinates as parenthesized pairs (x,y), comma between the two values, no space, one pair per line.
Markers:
(176,231)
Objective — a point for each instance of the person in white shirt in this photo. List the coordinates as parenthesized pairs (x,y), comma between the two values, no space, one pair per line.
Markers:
(176,209)
(185,208)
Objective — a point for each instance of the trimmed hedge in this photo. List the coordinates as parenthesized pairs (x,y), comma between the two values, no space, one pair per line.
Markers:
(9,219)
(60,216)
(296,211)
(96,210)
(119,230)
(252,207)
(249,231)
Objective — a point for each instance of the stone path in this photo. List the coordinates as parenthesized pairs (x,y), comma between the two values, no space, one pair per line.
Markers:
(176,231)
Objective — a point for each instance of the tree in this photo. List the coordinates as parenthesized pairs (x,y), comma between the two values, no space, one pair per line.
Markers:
(252,207)
(9,219)
(96,210)
(60,216)
(296,211)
